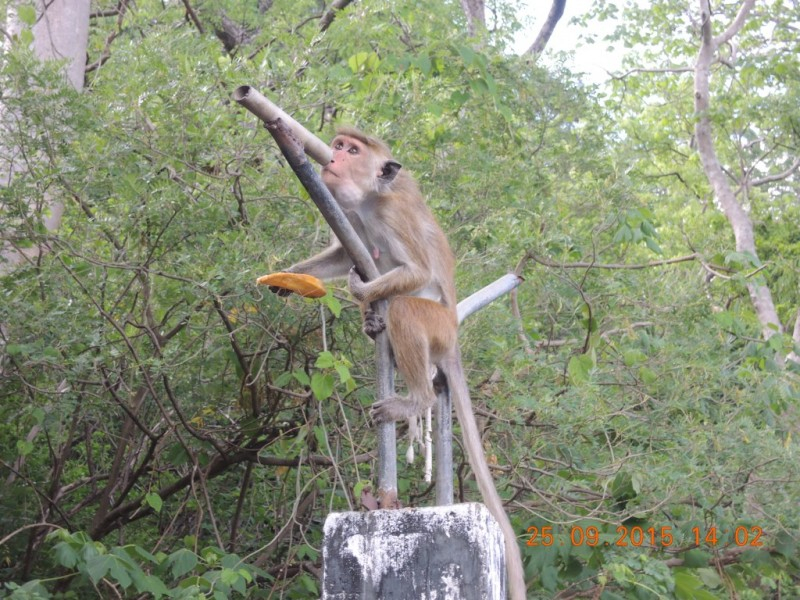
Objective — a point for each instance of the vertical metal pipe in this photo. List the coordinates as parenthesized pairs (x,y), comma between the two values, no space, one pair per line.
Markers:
(444,442)
(292,149)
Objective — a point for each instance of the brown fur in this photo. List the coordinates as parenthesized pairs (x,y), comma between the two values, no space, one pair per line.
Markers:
(417,269)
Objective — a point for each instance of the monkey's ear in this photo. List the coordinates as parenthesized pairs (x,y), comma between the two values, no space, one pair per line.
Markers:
(389,171)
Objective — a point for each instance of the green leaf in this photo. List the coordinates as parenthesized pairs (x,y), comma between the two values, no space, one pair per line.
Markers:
(322,385)
(98,566)
(150,584)
(580,367)
(423,63)
(647,375)
(24,447)
(653,245)
(632,357)
(467,55)
(366,61)
(66,555)
(229,576)
(16,349)
(319,435)
(301,377)
(344,372)
(549,577)
(27,14)
(154,501)
(283,379)
(332,303)
(785,544)
(176,455)
(309,584)
(623,487)
(696,558)
(325,360)
(182,562)
(120,571)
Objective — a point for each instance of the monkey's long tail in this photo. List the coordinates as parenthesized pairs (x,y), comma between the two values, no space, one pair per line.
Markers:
(459,392)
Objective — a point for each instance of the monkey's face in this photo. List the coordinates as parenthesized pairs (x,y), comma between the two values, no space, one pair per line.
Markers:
(353,170)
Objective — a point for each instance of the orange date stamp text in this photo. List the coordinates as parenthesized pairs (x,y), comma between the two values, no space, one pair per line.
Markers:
(648,537)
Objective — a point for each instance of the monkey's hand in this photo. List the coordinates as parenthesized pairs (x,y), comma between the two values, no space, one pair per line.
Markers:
(281,291)
(357,287)
(373,323)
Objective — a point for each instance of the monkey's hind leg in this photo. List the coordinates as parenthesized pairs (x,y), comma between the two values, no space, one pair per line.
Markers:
(411,348)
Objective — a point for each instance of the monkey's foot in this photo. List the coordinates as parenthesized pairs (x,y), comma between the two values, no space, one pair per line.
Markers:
(397,408)
(373,323)
(394,408)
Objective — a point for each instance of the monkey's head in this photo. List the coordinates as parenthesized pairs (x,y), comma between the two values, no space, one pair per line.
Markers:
(361,165)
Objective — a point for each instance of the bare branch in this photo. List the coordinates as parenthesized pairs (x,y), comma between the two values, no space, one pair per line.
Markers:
(777,176)
(330,14)
(553,17)
(29,526)
(592,265)
(119,12)
(661,70)
(736,25)
(192,15)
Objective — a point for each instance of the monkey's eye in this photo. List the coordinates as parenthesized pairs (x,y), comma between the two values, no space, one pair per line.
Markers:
(352,150)
(338,146)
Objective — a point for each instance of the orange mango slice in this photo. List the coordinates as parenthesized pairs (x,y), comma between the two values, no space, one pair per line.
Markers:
(307,286)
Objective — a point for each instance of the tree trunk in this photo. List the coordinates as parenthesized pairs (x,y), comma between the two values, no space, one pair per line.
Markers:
(476,15)
(793,356)
(737,216)
(61,32)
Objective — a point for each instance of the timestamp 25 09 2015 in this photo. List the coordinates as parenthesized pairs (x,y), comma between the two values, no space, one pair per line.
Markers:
(645,536)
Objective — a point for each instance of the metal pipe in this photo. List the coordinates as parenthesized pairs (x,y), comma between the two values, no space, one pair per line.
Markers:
(264,109)
(444,406)
(292,150)
(487,295)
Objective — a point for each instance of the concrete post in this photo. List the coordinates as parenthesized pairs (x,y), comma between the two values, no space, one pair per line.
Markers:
(451,552)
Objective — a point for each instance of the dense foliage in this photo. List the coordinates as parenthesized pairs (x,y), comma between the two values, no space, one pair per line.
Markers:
(168,429)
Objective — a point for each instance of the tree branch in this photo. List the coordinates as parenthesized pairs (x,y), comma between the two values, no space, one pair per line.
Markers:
(737,216)
(736,25)
(776,176)
(661,70)
(553,17)
(592,265)
(192,15)
(331,13)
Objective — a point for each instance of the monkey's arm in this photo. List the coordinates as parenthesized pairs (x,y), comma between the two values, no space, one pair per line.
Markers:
(331,263)
(403,280)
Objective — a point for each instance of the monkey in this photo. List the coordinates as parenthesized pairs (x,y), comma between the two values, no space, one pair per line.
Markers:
(417,277)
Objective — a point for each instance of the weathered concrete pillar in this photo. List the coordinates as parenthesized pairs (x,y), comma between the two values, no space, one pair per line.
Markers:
(451,552)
